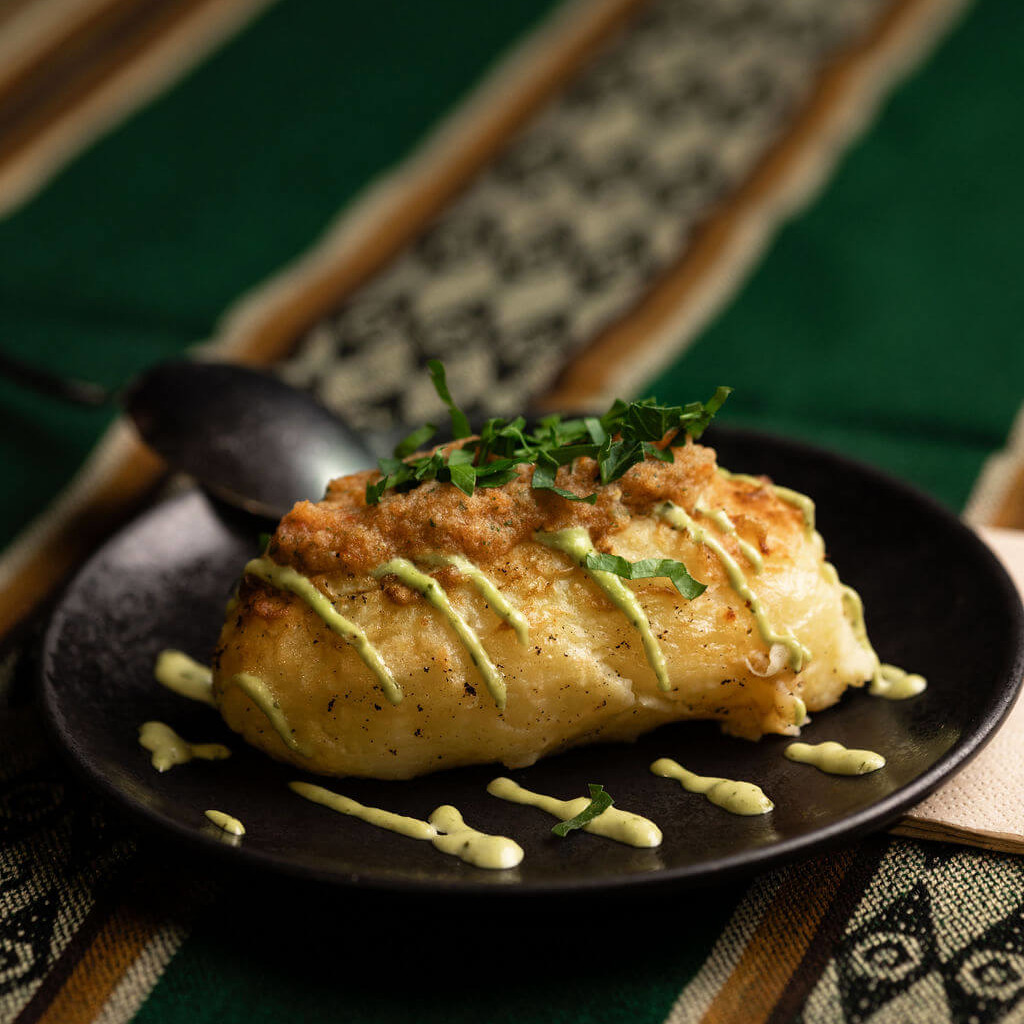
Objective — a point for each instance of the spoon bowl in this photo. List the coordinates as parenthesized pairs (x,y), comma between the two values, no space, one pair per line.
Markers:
(252,440)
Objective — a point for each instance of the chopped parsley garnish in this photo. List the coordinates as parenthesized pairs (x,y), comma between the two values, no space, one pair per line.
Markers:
(628,433)
(460,424)
(600,801)
(647,568)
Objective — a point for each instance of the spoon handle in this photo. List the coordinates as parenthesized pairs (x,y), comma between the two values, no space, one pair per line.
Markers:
(52,385)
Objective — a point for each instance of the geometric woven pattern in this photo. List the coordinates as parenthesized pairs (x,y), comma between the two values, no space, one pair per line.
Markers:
(600,193)
(937,937)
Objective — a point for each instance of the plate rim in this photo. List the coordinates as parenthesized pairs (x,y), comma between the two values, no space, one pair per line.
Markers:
(854,826)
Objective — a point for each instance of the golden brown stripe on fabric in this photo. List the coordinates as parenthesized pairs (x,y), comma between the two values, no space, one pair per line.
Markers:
(67,961)
(108,897)
(104,962)
(28,27)
(115,934)
(725,953)
(145,74)
(822,946)
(12,8)
(142,976)
(78,38)
(707,273)
(93,56)
(779,943)
(15,13)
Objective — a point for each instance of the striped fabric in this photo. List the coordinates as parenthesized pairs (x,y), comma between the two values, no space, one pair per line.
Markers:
(562,201)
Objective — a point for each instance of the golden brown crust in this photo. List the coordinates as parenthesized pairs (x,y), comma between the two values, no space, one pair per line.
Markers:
(344,534)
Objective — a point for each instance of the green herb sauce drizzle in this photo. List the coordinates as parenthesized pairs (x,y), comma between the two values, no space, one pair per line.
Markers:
(225,822)
(732,796)
(446,830)
(894,683)
(497,601)
(576,543)
(259,693)
(612,823)
(835,759)
(170,749)
(400,823)
(284,577)
(727,526)
(178,672)
(887,681)
(435,595)
(680,520)
(456,838)
(800,716)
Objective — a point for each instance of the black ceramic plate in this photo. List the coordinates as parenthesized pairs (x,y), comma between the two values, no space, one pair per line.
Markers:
(937,603)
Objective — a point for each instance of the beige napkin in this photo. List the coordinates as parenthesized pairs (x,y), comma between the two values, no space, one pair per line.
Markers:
(983,805)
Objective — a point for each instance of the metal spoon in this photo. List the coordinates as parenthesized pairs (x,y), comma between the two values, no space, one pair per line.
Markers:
(251,439)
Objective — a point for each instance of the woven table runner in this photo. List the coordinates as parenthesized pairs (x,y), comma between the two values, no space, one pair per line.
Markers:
(565,203)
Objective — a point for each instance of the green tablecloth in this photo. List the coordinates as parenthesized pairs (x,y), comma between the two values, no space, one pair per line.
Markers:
(881,321)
